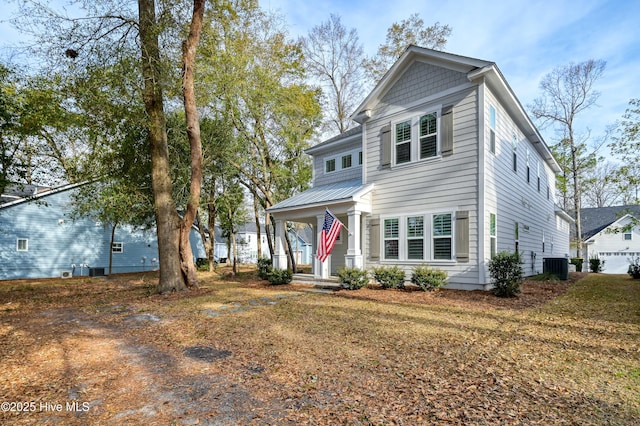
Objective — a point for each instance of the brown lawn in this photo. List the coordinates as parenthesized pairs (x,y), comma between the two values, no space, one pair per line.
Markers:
(236,351)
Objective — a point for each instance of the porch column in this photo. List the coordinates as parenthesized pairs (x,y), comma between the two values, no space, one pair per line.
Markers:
(280,256)
(354,251)
(320,269)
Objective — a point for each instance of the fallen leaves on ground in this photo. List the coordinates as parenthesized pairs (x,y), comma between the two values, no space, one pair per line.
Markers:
(238,351)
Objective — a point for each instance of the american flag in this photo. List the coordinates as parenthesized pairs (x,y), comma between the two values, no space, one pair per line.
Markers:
(329,235)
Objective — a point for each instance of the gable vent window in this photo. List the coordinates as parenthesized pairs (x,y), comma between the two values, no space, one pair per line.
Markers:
(117,247)
(627,236)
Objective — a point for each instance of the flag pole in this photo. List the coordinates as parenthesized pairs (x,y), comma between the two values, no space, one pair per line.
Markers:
(343,225)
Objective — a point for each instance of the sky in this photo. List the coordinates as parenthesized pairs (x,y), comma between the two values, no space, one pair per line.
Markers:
(526,39)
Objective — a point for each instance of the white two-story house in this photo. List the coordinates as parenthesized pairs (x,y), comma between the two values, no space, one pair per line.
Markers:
(445,169)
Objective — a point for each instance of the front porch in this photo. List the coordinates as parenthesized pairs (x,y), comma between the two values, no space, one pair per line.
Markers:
(349,201)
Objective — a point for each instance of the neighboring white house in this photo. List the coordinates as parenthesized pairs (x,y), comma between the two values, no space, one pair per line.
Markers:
(247,242)
(612,235)
(445,169)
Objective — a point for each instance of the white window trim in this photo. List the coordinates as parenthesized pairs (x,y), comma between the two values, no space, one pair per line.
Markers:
(414,118)
(493,237)
(26,242)
(113,248)
(338,161)
(403,247)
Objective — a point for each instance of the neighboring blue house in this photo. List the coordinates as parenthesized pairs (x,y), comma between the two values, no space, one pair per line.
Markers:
(38,239)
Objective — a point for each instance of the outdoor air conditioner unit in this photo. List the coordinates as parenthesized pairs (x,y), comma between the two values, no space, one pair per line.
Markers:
(65,274)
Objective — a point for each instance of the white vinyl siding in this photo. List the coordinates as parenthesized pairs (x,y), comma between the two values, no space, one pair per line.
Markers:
(513,200)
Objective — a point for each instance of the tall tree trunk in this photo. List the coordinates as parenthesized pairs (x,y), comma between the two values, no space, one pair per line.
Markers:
(270,235)
(234,252)
(167,220)
(207,243)
(577,195)
(211,206)
(256,213)
(189,47)
(113,236)
(290,252)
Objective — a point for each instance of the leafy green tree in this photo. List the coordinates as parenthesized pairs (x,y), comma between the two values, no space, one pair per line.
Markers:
(254,80)
(566,92)
(13,168)
(399,36)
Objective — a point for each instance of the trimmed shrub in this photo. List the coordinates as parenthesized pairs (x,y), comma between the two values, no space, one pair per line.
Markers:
(506,274)
(389,276)
(264,268)
(428,279)
(280,276)
(352,278)
(578,261)
(203,264)
(596,265)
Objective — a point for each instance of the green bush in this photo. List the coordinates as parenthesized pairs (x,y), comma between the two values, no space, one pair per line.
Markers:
(389,276)
(280,276)
(578,261)
(352,278)
(596,265)
(428,279)
(506,273)
(264,268)
(203,264)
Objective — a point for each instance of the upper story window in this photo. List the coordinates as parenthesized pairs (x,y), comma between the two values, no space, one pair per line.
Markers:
(416,138)
(22,244)
(117,247)
(341,161)
(515,153)
(403,142)
(330,165)
(492,129)
(628,236)
(528,166)
(346,161)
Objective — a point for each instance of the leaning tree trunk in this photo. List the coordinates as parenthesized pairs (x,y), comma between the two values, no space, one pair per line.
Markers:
(167,220)
(189,46)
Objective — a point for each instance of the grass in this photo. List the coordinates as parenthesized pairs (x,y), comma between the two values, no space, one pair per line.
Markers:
(301,357)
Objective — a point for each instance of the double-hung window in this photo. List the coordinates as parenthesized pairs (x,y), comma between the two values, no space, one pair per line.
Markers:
(403,142)
(442,236)
(330,165)
(346,161)
(22,244)
(492,129)
(416,138)
(493,235)
(391,238)
(515,153)
(428,136)
(415,237)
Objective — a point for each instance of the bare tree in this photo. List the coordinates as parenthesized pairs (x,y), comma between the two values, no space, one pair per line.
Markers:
(334,56)
(566,92)
(601,188)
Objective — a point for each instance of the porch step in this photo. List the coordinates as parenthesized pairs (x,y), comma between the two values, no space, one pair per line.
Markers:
(328,283)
